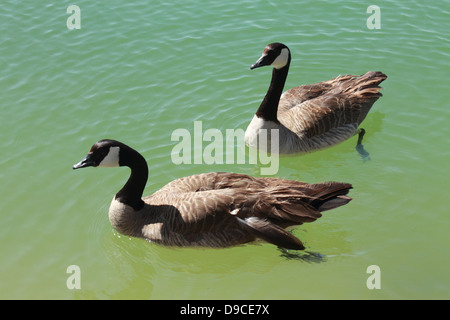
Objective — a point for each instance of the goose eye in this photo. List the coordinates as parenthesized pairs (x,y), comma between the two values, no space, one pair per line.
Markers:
(103,152)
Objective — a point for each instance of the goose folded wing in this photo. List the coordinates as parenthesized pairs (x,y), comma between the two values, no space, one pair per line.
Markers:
(320,115)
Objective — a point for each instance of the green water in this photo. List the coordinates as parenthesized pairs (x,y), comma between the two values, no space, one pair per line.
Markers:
(138,71)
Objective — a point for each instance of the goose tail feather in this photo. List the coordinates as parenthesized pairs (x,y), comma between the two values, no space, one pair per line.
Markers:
(315,199)
(331,195)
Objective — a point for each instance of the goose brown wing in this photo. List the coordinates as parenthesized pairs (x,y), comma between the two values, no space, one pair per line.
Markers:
(295,96)
(322,114)
(342,101)
(201,218)
(223,209)
(195,211)
(288,202)
(210,203)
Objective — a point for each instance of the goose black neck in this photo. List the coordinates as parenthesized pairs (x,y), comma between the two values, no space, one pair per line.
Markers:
(269,106)
(131,193)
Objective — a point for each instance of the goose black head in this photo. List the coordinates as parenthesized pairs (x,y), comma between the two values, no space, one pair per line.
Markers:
(104,153)
(275,54)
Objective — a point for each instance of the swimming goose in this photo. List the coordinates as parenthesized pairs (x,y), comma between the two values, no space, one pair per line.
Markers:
(310,117)
(214,209)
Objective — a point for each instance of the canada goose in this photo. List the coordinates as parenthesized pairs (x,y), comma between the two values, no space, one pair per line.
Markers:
(211,209)
(310,117)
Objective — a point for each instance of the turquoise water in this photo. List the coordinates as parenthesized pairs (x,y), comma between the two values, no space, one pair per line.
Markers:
(138,71)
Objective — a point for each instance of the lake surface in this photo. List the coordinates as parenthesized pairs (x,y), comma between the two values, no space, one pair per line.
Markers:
(137,71)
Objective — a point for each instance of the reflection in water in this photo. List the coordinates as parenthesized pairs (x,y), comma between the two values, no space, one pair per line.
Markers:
(376,119)
(305,256)
(365,156)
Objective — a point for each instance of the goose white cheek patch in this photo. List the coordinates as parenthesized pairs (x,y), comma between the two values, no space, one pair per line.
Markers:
(111,159)
(281,60)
